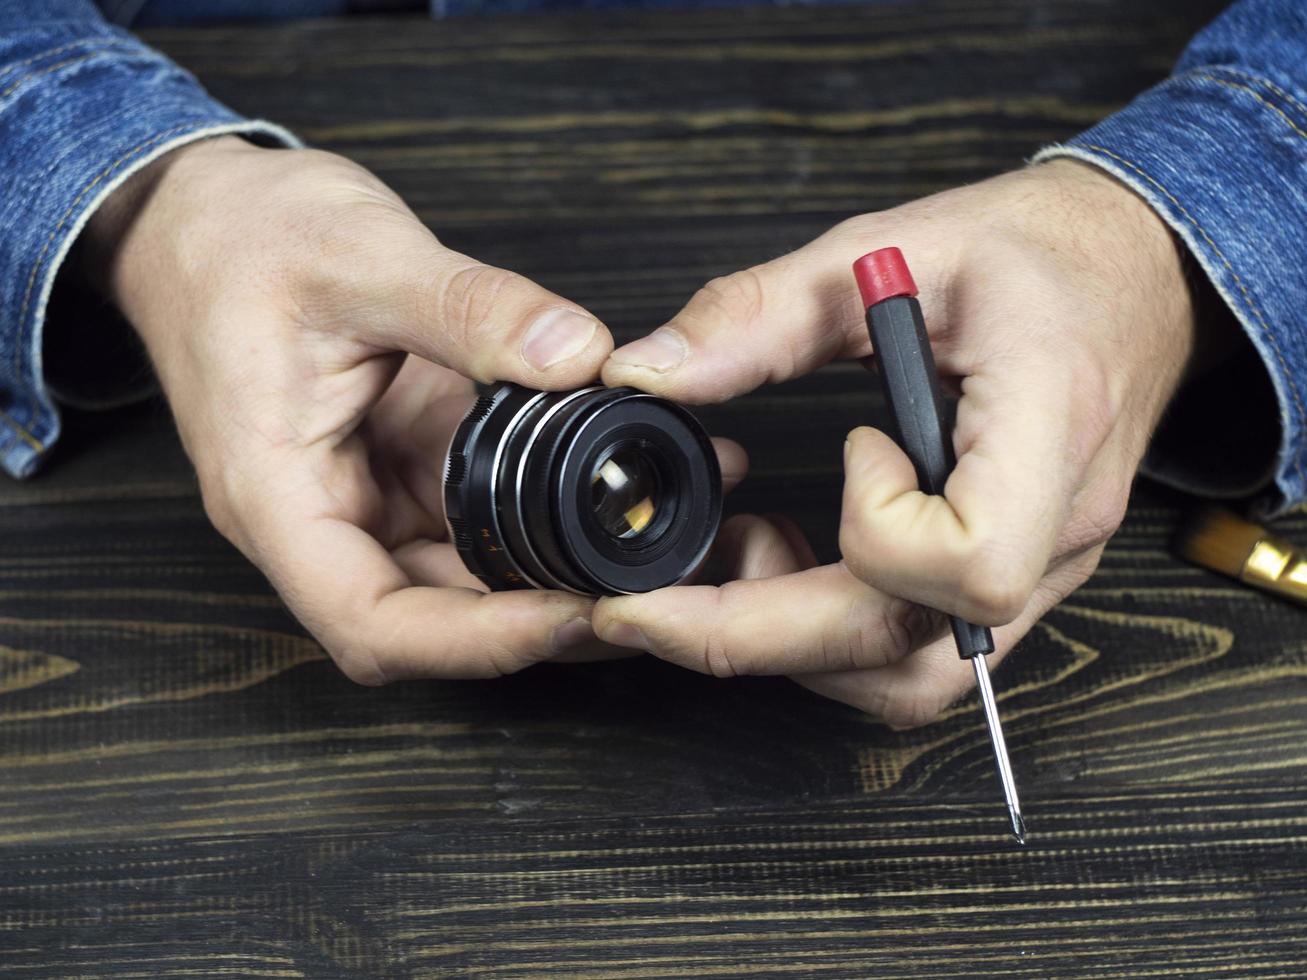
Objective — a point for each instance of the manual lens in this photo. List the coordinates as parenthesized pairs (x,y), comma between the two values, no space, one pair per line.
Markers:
(601,491)
(624,492)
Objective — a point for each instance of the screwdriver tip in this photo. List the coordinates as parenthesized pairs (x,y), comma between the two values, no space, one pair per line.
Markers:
(1018,825)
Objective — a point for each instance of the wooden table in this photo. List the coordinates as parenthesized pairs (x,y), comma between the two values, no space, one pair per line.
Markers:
(191,789)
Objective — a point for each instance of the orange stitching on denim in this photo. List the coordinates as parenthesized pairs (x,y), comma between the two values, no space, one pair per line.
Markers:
(8,419)
(40,259)
(1266,330)
(27,437)
(47,70)
(1259,97)
(108,42)
(1287,96)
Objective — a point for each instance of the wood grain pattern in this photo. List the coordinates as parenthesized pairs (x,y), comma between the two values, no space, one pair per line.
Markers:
(190,789)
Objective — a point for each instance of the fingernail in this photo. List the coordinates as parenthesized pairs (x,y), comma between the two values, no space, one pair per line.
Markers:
(556,336)
(626,635)
(572,634)
(854,436)
(662,350)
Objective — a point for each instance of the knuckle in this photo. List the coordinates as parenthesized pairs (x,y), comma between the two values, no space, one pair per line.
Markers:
(502,655)
(844,648)
(224,499)
(467,300)
(895,635)
(1111,514)
(905,626)
(717,655)
(859,559)
(1068,577)
(1096,522)
(358,642)
(358,663)
(715,647)
(872,700)
(874,633)
(1089,564)
(913,709)
(1095,408)
(855,228)
(740,297)
(993,590)
(218,511)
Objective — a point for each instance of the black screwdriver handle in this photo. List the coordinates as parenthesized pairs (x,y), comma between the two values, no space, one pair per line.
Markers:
(907,372)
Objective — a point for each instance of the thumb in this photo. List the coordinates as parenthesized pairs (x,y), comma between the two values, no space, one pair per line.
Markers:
(766,324)
(775,321)
(410,293)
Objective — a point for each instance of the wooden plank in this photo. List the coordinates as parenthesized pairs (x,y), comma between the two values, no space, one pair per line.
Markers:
(1138,883)
(190,788)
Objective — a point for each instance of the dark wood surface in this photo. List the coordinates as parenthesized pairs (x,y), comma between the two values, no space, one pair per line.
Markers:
(190,789)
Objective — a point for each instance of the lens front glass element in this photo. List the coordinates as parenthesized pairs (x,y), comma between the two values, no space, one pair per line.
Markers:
(624,492)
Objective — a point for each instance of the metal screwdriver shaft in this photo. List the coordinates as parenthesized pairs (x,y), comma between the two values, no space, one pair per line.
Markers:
(907,370)
(1000,748)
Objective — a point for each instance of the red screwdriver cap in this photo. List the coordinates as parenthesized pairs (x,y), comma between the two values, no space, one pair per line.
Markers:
(882,274)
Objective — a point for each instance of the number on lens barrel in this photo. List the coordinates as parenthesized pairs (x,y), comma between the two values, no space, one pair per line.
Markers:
(601,491)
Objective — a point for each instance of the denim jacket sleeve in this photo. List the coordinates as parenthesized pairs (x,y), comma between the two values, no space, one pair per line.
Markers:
(83,106)
(1219,150)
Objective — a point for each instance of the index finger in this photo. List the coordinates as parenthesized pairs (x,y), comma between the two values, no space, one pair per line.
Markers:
(979,549)
(819,619)
(378,626)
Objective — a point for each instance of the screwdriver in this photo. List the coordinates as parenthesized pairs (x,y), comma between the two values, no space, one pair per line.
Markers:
(907,371)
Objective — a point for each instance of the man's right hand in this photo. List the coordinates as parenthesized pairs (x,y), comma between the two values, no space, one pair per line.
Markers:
(315,342)
(1056,299)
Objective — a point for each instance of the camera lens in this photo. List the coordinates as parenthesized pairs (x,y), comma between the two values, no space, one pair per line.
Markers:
(624,492)
(601,491)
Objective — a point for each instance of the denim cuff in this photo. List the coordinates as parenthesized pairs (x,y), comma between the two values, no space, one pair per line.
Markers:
(83,106)
(1221,155)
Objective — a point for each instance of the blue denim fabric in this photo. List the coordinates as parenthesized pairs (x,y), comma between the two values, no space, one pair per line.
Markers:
(1220,152)
(82,107)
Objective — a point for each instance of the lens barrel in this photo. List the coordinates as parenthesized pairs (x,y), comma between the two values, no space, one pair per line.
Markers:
(601,491)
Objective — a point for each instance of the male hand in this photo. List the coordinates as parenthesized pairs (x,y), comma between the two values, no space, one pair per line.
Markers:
(315,342)
(1056,298)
